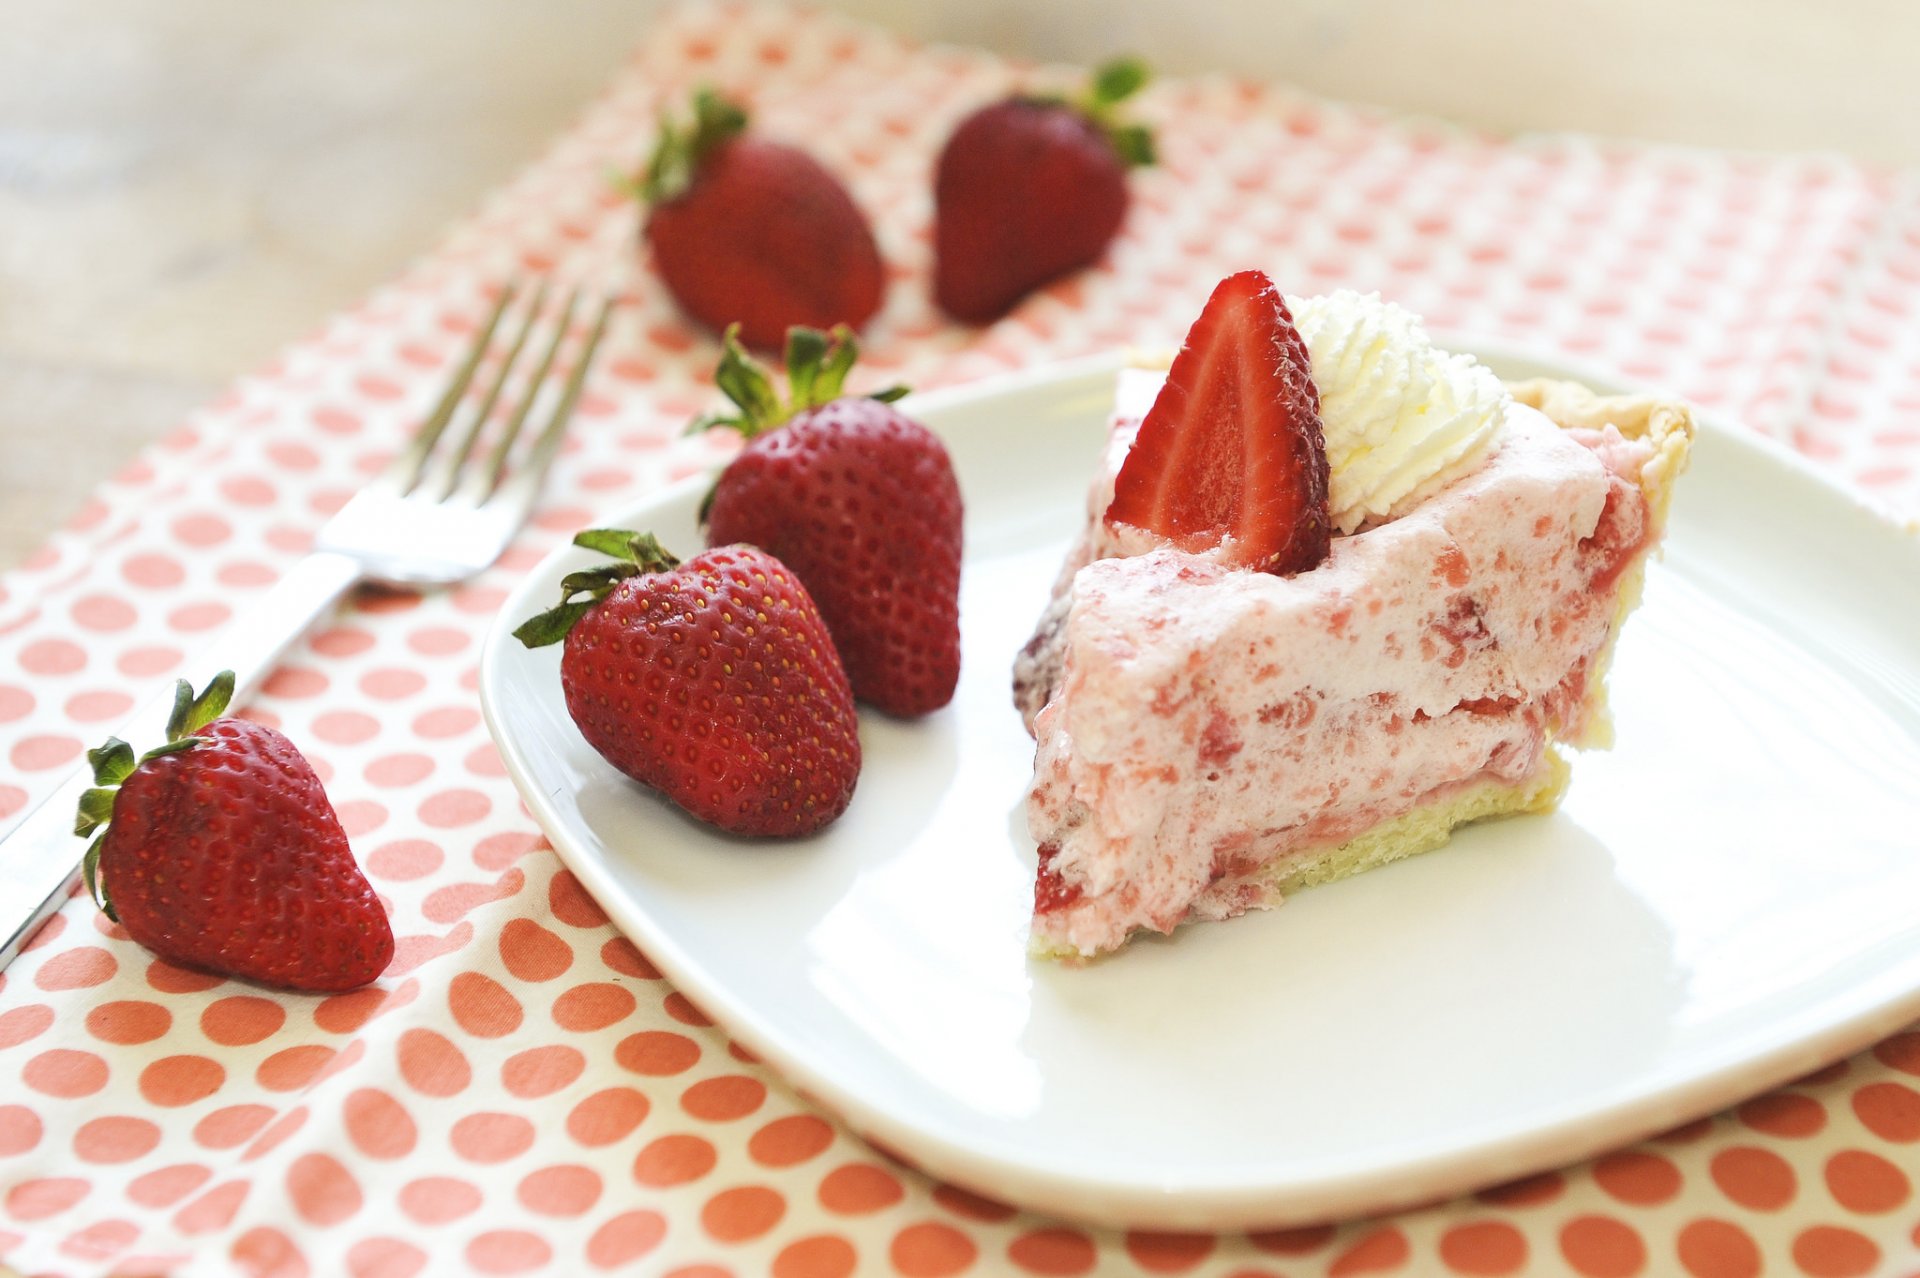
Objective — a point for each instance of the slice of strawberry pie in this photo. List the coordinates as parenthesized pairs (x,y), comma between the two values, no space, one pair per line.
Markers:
(1338,593)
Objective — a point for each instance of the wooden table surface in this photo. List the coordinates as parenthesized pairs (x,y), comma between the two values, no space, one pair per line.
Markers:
(186,185)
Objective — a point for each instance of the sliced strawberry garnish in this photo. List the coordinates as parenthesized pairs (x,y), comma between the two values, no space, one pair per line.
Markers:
(1232,450)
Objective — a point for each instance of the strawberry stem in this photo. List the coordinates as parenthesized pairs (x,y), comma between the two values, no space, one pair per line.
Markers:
(191,713)
(1113,83)
(817,366)
(633,553)
(113,761)
(680,149)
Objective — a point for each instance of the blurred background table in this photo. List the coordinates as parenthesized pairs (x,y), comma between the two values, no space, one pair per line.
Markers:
(187,185)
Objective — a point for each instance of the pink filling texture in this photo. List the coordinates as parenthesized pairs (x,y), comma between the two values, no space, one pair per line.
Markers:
(1197,724)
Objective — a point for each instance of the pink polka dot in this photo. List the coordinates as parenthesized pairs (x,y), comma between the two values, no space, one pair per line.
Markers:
(448,721)
(231,1126)
(593,1006)
(492,1137)
(435,1200)
(241,1020)
(542,1071)
(283,1129)
(168,1185)
(625,1238)
(201,529)
(12,799)
(42,753)
(443,905)
(99,706)
(484,761)
(723,1098)
(181,1080)
(381,1257)
(430,1062)
(498,851)
(265,1250)
(248,490)
(103,613)
(77,969)
(607,1116)
(195,617)
(323,1191)
(438,641)
(153,571)
(451,808)
(379,1125)
(65,1072)
(18,703)
(100,1240)
(39,1199)
(674,1160)
(336,421)
(293,456)
(565,1190)
(20,1130)
(341,641)
(294,681)
(345,727)
(293,1068)
(392,684)
(404,859)
(508,1251)
(481,601)
(129,1022)
(153,660)
(360,816)
(246,575)
(399,769)
(52,657)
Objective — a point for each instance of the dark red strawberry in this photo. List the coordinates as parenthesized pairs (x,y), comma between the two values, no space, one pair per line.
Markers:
(713,681)
(861,502)
(221,852)
(1029,189)
(753,232)
(1232,449)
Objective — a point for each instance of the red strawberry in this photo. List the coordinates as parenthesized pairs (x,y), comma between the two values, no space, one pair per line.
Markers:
(754,232)
(861,502)
(1232,448)
(1029,189)
(714,681)
(221,852)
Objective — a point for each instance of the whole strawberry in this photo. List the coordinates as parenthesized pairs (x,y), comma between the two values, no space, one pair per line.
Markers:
(714,681)
(754,232)
(1029,189)
(861,502)
(221,852)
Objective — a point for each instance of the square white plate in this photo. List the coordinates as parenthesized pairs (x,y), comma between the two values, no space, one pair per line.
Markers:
(1723,902)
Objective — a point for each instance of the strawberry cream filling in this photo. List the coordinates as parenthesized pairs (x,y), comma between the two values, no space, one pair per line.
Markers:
(1197,725)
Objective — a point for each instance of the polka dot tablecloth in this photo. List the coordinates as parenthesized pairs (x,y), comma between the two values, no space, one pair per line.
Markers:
(522,1093)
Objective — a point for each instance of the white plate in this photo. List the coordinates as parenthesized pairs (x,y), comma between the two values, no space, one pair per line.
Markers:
(1723,902)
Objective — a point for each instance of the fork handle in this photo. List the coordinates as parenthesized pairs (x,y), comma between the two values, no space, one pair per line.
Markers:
(40,858)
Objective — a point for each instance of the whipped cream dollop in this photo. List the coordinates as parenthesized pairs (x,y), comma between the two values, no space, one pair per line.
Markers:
(1402,417)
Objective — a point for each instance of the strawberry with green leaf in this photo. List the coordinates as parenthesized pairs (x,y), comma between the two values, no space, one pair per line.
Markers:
(219,850)
(861,502)
(1029,189)
(713,681)
(753,232)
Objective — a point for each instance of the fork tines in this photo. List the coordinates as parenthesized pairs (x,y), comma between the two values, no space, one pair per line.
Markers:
(444,459)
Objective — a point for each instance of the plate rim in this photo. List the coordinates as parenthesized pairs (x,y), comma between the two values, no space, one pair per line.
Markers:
(1243,1200)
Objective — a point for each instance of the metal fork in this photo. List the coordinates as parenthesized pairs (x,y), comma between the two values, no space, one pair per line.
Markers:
(441,511)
